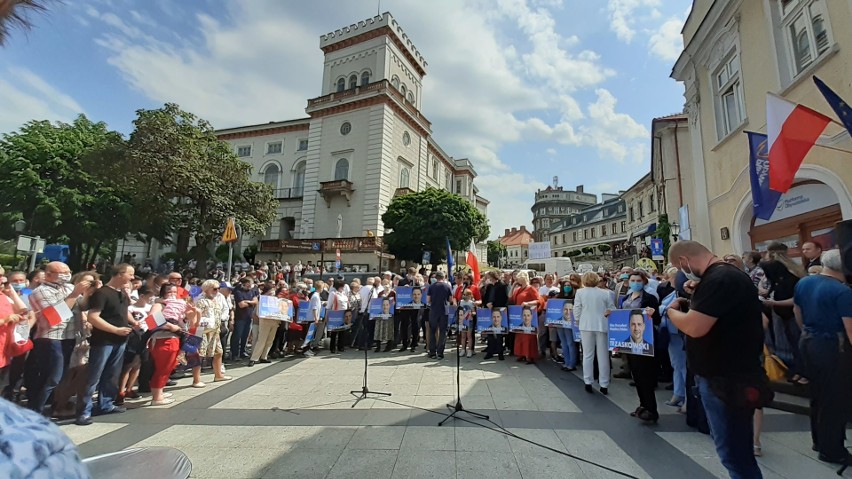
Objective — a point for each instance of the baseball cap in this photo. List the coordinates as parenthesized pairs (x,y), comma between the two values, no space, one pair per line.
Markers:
(225,285)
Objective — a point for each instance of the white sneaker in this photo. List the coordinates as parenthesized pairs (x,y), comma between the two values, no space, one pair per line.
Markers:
(462,352)
(470,353)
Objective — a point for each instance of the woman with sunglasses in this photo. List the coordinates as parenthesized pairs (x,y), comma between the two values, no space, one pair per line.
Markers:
(211,313)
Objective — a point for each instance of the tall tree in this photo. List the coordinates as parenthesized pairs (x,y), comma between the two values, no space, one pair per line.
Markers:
(194,178)
(46,181)
(423,221)
(496,250)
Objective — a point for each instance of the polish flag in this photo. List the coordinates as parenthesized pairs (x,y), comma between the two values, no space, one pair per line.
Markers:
(153,321)
(472,262)
(57,313)
(791,130)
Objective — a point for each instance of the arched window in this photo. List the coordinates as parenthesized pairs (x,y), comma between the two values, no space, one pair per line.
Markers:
(403,90)
(341,85)
(271,175)
(353,82)
(403,177)
(341,169)
(410,97)
(395,81)
(434,168)
(365,78)
(299,179)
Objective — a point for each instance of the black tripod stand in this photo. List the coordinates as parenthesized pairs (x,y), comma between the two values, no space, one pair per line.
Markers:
(457,407)
(362,394)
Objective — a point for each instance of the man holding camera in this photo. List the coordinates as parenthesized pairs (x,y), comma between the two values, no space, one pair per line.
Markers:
(723,325)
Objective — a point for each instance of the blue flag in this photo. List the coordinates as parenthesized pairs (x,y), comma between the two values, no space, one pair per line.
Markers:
(837,104)
(449,260)
(763,199)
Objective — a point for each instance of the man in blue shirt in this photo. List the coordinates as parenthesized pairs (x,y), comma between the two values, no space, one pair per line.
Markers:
(438,297)
(823,308)
(245,300)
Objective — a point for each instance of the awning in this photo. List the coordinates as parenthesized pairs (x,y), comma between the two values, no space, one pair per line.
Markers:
(651,229)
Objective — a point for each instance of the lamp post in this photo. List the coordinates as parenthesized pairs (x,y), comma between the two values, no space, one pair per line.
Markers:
(675,230)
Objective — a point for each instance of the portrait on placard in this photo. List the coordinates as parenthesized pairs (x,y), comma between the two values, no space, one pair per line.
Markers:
(339,320)
(521,320)
(494,320)
(381,308)
(408,297)
(631,332)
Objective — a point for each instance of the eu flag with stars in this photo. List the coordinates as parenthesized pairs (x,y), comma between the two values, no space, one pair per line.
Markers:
(837,104)
(449,261)
(763,198)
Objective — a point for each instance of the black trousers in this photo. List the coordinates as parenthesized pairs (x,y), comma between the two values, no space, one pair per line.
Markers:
(644,370)
(338,340)
(494,344)
(830,373)
(406,329)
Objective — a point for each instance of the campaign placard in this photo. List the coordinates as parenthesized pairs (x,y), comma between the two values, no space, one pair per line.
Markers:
(559,313)
(272,307)
(522,320)
(304,316)
(410,298)
(631,332)
(312,330)
(492,320)
(381,308)
(339,320)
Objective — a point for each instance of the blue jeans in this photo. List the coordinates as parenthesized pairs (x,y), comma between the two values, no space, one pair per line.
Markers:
(437,333)
(569,347)
(239,337)
(677,355)
(50,358)
(105,362)
(732,430)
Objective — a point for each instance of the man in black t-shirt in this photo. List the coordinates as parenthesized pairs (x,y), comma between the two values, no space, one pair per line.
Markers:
(438,297)
(723,346)
(111,324)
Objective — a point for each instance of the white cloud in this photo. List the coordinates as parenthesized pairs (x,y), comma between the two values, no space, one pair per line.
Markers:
(26,96)
(623,16)
(615,135)
(666,42)
(511,207)
(551,152)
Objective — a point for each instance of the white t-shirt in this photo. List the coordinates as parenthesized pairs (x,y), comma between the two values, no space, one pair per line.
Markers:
(139,313)
(314,304)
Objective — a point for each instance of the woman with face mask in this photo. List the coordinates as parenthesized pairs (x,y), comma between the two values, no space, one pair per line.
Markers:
(568,288)
(643,368)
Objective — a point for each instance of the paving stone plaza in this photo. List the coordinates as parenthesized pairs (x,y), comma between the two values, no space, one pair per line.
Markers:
(294,419)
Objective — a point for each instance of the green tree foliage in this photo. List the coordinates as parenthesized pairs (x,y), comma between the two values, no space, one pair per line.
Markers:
(496,250)
(574,253)
(49,175)
(195,179)
(603,248)
(664,232)
(422,221)
(587,250)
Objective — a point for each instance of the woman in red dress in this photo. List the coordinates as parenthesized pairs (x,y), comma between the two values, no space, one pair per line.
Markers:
(526,345)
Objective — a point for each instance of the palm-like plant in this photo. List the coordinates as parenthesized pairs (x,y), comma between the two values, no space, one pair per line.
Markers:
(15,14)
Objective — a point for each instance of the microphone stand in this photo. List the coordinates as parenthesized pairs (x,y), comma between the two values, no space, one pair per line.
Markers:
(365,391)
(457,407)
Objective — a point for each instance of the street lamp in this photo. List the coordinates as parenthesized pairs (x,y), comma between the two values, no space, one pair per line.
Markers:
(675,230)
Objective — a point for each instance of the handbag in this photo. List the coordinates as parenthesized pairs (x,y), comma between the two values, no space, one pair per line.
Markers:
(775,368)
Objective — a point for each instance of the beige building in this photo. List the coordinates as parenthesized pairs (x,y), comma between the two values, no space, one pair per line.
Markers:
(737,51)
(672,168)
(602,223)
(554,203)
(364,141)
(641,203)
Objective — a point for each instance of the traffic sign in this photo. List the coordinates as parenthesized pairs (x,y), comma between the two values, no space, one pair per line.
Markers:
(657,249)
(230,234)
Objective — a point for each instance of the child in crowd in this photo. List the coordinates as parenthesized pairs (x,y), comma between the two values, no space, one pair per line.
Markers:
(466,323)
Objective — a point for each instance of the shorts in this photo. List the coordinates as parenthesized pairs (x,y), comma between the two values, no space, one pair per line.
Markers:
(211,344)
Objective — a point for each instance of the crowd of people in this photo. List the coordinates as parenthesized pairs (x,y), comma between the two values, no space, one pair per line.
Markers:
(715,319)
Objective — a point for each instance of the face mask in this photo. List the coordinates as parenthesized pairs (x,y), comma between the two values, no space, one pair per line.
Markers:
(567,289)
(624,276)
(433,280)
(636,286)
(690,275)
(18,287)
(63,278)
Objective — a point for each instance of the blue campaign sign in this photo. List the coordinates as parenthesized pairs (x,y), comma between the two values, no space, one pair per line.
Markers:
(272,307)
(631,332)
(339,320)
(492,320)
(303,312)
(312,330)
(657,249)
(381,308)
(558,313)
(410,298)
(522,320)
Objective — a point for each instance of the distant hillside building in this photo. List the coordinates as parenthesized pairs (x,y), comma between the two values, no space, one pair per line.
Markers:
(553,203)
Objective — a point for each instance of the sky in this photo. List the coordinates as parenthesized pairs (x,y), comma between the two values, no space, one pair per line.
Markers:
(527,89)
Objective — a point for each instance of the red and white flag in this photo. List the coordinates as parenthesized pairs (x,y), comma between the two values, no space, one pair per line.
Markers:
(153,321)
(57,313)
(472,262)
(791,130)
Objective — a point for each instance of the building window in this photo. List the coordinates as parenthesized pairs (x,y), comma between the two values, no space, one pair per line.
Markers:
(403,177)
(603,230)
(271,175)
(353,81)
(630,215)
(574,237)
(614,228)
(365,78)
(727,87)
(274,148)
(447,181)
(563,238)
(806,33)
(651,203)
(243,151)
(395,82)
(594,232)
(403,90)
(641,209)
(623,226)
(299,179)
(303,145)
(410,97)
(345,128)
(459,188)
(341,169)
(341,84)
(435,168)
(406,139)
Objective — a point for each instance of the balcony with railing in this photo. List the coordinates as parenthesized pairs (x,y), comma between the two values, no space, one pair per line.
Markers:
(332,189)
(288,193)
